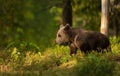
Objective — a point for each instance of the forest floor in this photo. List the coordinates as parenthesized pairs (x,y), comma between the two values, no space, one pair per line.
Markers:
(56,61)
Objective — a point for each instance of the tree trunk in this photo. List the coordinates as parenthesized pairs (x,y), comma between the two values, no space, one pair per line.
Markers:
(104,17)
(115,20)
(67,12)
(115,23)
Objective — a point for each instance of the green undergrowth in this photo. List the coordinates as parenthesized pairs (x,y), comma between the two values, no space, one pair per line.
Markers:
(28,59)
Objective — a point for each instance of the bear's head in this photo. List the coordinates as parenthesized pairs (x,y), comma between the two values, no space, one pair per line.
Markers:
(62,37)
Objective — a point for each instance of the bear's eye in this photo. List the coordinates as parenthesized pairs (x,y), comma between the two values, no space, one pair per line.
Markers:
(59,35)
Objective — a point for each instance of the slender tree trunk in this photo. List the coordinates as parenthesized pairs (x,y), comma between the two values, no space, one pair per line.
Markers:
(67,12)
(115,20)
(115,23)
(104,17)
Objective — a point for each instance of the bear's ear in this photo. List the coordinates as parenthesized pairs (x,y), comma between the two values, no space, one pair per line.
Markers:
(61,25)
(67,27)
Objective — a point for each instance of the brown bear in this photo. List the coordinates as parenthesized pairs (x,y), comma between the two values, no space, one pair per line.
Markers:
(77,38)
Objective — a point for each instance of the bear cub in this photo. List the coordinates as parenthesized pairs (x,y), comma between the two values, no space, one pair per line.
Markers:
(77,38)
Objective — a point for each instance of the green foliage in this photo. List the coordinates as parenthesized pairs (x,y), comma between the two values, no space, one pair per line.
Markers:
(26,21)
(93,65)
(21,60)
(36,21)
(26,46)
(27,32)
(115,42)
(87,14)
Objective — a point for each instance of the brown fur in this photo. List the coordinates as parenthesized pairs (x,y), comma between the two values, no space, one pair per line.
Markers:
(77,38)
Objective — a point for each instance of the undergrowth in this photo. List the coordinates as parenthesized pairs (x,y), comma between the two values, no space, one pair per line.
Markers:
(29,59)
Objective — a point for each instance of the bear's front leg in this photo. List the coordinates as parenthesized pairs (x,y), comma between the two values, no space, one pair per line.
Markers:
(73,49)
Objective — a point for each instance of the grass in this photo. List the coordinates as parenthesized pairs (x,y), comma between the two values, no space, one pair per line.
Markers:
(29,60)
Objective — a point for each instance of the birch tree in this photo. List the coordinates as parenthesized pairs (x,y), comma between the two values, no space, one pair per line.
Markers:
(104,17)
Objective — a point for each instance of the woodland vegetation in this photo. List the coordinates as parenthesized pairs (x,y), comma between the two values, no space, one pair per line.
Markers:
(28,30)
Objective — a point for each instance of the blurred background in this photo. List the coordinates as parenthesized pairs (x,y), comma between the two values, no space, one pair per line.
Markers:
(35,22)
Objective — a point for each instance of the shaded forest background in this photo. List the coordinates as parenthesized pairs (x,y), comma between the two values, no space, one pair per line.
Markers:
(36,22)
